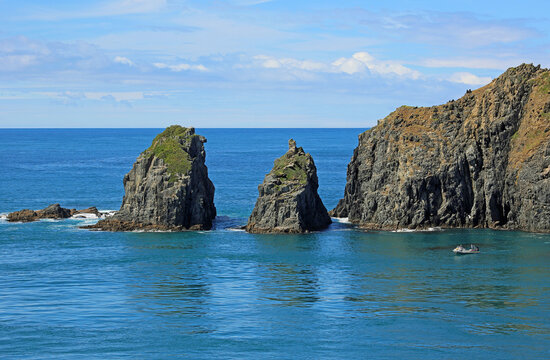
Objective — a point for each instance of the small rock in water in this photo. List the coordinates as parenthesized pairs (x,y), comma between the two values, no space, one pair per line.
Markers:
(54,211)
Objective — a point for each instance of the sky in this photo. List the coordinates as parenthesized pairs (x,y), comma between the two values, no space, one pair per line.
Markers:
(253,63)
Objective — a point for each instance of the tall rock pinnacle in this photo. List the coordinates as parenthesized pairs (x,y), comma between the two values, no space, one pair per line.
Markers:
(168,187)
(288,201)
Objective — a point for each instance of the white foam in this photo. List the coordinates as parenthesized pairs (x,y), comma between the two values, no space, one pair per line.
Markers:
(84,216)
(88,216)
(236,229)
(107,213)
(404,230)
(437,228)
(341,220)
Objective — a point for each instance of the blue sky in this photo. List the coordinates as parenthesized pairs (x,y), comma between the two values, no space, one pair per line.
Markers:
(252,63)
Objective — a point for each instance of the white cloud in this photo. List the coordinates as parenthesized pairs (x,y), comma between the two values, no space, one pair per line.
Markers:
(469,79)
(358,63)
(123,7)
(270,62)
(118,96)
(16,62)
(180,67)
(471,63)
(248,2)
(362,61)
(123,60)
(20,52)
(112,8)
(454,29)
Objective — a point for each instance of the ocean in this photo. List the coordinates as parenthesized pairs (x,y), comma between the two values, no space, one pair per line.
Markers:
(344,293)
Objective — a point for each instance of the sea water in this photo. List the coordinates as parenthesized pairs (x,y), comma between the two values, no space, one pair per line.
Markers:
(340,293)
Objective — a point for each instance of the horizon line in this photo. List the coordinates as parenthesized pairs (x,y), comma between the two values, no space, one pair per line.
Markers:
(196,127)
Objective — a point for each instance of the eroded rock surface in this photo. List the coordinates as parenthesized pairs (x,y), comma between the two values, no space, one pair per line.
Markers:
(168,187)
(480,161)
(54,211)
(288,201)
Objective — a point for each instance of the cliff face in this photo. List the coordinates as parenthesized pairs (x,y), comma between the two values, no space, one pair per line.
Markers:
(288,201)
(480,161)
(168,187)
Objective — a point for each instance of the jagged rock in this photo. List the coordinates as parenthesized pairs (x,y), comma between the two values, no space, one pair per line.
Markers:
(480,161)
(168,187)
(54,211)
(288,201)
(91,210)
(25,215)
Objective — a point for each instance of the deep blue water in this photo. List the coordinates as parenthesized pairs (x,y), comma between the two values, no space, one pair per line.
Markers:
(341,293)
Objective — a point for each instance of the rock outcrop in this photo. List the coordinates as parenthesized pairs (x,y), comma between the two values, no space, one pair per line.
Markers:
(288,201)
(168,187)
(480,161)
(54,211)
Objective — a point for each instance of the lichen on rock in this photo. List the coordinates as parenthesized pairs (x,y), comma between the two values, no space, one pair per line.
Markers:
(288,201)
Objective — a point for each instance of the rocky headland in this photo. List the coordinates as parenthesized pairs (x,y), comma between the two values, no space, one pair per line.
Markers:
(168,187)
(288,201)
(480,161)
(54,211)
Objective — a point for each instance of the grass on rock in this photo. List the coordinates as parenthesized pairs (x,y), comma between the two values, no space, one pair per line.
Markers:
(169,146)
(291,168)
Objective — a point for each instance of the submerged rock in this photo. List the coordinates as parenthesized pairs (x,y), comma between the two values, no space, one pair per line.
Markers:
(168,187)
(288,201)
(54,211)
(480,161)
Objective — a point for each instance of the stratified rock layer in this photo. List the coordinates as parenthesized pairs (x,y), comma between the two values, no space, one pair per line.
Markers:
(480,161)
(168,187)
(288,201)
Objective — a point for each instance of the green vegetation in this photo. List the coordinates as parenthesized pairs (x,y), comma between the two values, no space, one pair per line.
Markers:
(544,83)
(169,146)
(292,168)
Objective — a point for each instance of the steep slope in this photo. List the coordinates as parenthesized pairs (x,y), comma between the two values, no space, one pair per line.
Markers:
(168,187)
(480,161)
(288,201)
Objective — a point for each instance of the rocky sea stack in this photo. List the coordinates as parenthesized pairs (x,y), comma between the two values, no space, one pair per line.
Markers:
(288,201)
(480,161)
(168,187)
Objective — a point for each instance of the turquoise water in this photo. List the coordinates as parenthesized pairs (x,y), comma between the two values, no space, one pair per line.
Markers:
(342,293)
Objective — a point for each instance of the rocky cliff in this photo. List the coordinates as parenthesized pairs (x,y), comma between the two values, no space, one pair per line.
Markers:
(480,161)
(288,201)
(168,187)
